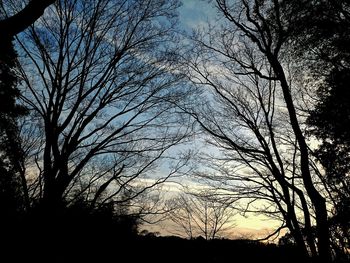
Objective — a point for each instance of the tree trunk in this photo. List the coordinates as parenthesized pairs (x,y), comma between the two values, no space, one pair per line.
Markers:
(316,198)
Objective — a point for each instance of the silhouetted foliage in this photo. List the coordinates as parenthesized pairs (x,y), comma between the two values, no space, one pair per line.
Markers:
(330,121)
(14,198)
(78,233)
(321,44)
(11,155)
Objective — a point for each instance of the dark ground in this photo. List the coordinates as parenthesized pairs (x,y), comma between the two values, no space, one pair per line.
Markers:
(75,236)
(101,248)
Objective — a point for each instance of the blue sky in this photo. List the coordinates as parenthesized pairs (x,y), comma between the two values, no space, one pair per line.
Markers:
(195,13)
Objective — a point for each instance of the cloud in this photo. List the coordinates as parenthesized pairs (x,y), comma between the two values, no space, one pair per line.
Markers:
(195,13)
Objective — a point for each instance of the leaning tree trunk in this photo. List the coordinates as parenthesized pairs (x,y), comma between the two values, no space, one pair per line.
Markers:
(316,198)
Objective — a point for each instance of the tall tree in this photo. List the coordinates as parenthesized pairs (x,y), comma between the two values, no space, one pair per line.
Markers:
(97,80)
(252,114)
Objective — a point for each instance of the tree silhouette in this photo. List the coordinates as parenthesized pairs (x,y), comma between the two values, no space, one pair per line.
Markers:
(201,214)
(96,78)
(252,114)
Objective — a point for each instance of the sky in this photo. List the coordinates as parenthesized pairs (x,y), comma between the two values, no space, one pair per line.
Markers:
(195,14)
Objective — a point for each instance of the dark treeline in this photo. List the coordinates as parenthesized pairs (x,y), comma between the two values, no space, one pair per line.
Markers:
(174,249)
(97,237)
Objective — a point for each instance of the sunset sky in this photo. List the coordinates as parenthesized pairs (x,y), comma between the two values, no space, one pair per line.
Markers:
(195,14)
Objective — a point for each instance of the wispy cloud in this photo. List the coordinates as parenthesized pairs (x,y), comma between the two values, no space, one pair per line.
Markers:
(195,13)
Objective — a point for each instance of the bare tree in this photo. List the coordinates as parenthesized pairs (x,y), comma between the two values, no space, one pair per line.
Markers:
(201,214)
(97,77)
(249,110)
